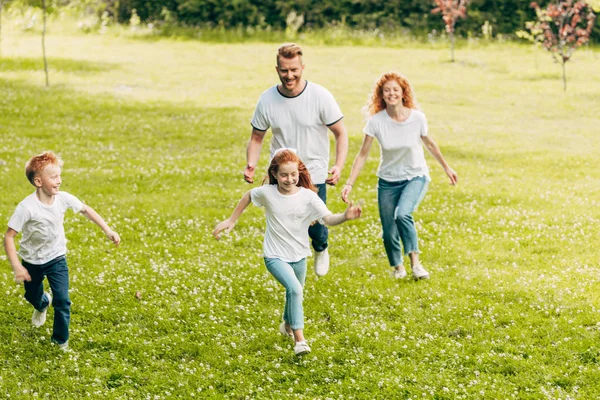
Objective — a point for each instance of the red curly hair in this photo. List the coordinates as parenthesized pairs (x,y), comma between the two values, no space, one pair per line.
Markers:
(36,164)
(286,156)
(376,102)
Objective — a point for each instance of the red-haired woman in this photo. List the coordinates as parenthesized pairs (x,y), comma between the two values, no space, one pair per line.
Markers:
(401,129)
(291,205)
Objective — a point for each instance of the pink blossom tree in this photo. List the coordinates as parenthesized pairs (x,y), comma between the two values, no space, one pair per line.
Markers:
(451,11)
(561,28)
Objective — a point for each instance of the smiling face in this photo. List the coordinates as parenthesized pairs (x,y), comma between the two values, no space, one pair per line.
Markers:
(48,181)
(392,93)
(290,74)
(287,176)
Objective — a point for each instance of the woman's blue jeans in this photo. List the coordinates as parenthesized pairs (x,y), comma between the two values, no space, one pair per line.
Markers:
(292,276)
(58,276)
(397,201)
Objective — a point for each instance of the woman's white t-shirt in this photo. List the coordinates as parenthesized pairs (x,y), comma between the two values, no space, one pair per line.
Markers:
(288,219)
(43,234)
(402,155)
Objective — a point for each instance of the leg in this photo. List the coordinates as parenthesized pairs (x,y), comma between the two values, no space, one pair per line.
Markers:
(58,277)
(388,194)
(34,289)
(317,232)
(284,273)
(410,197)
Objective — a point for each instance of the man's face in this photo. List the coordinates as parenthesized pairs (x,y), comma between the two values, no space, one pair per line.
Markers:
(290,74)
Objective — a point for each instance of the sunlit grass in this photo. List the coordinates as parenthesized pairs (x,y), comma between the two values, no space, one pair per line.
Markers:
(153,136)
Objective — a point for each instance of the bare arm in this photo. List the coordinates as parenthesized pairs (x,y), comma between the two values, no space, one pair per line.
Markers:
(97,219)
(252,153)
(341,151)
(434,150)
(230,222)
(19,270)
(359,163)
(352,212)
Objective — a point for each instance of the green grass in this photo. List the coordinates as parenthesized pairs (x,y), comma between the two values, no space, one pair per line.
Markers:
(153,136)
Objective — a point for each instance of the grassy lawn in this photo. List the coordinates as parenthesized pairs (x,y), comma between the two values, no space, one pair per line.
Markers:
(153,135)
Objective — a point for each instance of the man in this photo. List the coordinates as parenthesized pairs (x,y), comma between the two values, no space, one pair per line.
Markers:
(300,113)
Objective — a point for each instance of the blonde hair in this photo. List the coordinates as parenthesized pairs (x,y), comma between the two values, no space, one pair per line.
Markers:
(289,51)
(36,164)
(376,102)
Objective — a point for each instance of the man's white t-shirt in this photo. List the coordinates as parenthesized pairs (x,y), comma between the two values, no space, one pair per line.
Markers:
(300,123)
(288,219)
(402,155)
(43,234)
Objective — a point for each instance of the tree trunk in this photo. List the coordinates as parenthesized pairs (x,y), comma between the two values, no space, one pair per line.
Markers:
(452,47)
(564,76)
(44,43)
(1,6)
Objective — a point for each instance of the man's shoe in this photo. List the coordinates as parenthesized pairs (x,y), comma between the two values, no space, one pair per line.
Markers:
(419,272)
(39,317)
(321,262)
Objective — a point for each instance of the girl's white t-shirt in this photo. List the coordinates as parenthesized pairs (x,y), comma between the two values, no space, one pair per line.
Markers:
(402,155)
(43,234)
(288,219)
(300,122)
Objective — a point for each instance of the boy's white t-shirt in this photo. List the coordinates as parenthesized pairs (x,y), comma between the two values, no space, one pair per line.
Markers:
(300,123)
(43,234)
(402,155)
(288,219)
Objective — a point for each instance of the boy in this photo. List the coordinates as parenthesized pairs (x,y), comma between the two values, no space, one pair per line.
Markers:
(39,217)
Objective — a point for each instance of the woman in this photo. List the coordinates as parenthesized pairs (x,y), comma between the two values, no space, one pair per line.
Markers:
(399,127)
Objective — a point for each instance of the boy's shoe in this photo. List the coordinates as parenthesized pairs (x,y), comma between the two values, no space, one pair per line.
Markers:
(283,331)
(62,346)
(321,262)
(400,273)
(419,272)
(301,348)
(39,317)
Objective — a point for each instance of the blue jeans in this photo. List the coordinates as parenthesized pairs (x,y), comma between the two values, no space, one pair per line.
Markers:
(397,201)
(317,232)
(58,276)
(292,276)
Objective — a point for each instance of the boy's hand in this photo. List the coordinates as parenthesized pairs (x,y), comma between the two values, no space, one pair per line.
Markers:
(226,226)
(114,237)
(22,275)
(353,211)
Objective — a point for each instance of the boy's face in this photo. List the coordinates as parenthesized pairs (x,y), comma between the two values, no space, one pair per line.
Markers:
(49,180)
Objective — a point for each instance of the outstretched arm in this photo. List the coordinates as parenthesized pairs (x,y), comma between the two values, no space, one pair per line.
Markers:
(352,212)
(97,219)
(341,151)
(252,153)
(434,150)
(230,222)
(359,163)
(19,270)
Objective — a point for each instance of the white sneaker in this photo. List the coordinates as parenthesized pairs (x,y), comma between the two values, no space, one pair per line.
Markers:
(400,273)
(39,317)
(419,272)
(321,262)
(301,348)
(283,331)
(62,346)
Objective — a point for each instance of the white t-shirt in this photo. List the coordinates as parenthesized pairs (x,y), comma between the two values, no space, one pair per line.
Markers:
(288,219)
(42,227)
(300,123)
(402,155)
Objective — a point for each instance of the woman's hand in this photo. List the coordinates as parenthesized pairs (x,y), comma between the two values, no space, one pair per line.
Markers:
(346,192)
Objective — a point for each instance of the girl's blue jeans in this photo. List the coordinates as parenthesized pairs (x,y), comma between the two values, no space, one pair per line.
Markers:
(58,276)
(292,276)
(397,201)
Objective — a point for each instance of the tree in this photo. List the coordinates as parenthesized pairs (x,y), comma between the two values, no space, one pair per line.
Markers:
(451,11)
(1,7)
(561,28)
(44,42)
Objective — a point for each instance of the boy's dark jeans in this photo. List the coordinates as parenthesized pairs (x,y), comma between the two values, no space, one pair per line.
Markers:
(58,276)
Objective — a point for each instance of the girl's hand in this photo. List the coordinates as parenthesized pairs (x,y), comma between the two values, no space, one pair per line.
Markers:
(226,226)
(452,175)
(353,211)
(346,192)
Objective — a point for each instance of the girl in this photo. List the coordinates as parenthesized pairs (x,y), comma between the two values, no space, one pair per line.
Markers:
(291,205)
(397,123)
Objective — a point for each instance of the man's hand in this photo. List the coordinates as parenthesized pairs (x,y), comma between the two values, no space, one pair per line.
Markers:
(249,173)
(335,172)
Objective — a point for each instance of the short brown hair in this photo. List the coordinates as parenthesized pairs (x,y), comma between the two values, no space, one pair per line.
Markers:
(289,51)
(36,164)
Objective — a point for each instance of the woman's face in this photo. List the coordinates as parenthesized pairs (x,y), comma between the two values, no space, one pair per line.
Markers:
(392,93)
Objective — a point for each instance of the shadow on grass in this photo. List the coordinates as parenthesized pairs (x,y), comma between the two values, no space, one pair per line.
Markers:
(54,64)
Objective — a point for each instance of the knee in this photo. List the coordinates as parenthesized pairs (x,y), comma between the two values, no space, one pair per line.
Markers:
(295,291)
(61,301)
(402,216)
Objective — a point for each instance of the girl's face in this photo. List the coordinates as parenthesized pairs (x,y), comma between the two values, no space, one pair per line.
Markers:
(392,93)
(287,178)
